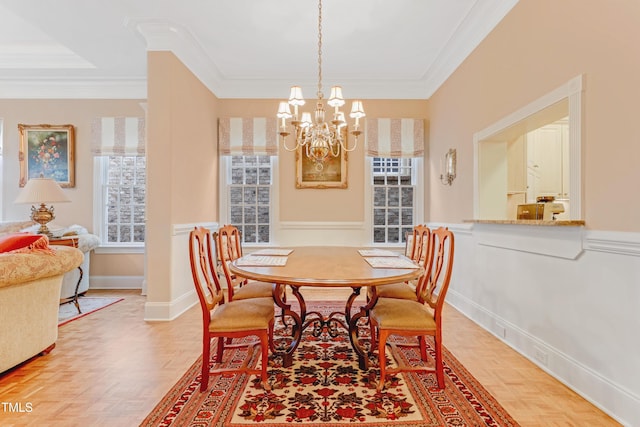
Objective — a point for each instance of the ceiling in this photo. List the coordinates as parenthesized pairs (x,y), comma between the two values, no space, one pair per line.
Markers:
(385,49)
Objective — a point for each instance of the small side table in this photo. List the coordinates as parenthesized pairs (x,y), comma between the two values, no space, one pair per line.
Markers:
(73,242)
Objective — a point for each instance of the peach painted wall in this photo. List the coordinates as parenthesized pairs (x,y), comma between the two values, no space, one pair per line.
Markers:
(181,163)
(323,204)
(80,113)
(540,45)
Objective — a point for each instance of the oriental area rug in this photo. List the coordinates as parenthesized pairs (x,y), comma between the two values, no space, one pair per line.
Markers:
(325,387)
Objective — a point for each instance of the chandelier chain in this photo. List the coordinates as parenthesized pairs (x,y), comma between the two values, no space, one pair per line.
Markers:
(321,137)
(320,49)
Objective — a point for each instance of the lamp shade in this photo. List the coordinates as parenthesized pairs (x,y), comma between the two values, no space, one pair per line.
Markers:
(42,190)
(284,112)
(336,99)
(357,110)
(295,97)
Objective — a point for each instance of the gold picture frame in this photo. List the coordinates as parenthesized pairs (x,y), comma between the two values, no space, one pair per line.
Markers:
(47,151)
(332,175)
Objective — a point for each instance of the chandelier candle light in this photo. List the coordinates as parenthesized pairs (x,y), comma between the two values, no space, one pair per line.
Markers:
(319,138)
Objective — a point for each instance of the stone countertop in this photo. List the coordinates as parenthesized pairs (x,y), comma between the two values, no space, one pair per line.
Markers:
(556,223)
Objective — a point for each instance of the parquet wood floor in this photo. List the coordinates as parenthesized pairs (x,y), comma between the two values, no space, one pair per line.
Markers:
(111,368)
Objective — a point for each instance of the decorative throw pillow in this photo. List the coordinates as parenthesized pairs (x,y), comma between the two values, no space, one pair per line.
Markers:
(23,241)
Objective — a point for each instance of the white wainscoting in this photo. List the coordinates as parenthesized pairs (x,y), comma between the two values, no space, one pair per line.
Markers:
(183,294)
(303,233)
(572,312)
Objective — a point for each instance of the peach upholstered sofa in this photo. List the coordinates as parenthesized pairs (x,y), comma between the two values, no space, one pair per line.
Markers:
(30,282)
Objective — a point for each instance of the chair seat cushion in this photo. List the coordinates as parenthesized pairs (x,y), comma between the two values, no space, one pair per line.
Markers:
(243,315)
(398,291)
(253,290)
(390,313)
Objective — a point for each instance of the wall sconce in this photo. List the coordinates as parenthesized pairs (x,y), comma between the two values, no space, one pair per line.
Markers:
(449,173)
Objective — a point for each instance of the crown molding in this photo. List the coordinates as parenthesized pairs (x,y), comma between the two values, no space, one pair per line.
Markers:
(163,35)
(39,88)
(479,22)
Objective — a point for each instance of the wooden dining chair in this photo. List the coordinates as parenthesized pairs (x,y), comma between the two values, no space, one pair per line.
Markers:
(220,319)
(391,316)
(228,249)
(422,254)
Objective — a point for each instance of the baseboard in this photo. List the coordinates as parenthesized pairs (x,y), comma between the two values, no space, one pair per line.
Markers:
(116,282)
(167,311)
(602,393)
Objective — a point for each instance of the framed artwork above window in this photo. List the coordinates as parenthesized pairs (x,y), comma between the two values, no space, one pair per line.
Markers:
(331,173)
(47,151)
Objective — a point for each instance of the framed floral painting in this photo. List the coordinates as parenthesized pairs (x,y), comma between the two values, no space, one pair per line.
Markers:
(47,151)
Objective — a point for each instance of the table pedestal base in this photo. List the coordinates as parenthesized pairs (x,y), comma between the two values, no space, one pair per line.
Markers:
(318,321)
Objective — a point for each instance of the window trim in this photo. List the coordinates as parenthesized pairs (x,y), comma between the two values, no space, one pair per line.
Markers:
(420,188)
(224,197)
(99,177)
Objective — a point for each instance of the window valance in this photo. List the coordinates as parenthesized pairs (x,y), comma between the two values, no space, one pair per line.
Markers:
(248,136)
(397,138)
(118,136)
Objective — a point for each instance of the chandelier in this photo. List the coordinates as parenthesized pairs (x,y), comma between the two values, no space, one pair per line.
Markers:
(319,138)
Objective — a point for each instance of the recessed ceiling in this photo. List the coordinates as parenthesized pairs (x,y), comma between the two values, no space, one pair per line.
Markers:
(386,49)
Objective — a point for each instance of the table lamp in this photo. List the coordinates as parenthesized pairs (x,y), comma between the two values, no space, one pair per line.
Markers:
(42,190)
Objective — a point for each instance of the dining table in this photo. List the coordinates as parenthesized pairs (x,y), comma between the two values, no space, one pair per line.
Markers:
(325,267)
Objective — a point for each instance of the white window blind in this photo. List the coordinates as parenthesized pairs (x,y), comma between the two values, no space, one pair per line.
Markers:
(394,138)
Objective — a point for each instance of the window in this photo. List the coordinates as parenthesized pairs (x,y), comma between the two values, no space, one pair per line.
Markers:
(120,208)
(248,181)
(395,198)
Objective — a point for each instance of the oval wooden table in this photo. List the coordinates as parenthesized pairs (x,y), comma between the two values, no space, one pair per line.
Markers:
(325,267)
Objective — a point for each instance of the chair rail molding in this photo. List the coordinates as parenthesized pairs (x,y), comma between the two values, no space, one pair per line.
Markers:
(537,288)
(615,242)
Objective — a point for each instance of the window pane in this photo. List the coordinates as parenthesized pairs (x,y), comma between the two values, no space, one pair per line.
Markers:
(264,177)
(379,216)
(379,235)
(250,197)
(250,234)
(393,196)
(407,196)
(124,199)
(237,176)
(263,214)
(393,199)
(407,216)
(263,195)
(263,234)
(250,215)
(236,215)
(393,235)
(393,217)
(112,233)
(138,233)
(251,176)
(125,233)
(235,195)
(379,196)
